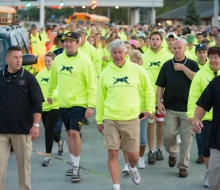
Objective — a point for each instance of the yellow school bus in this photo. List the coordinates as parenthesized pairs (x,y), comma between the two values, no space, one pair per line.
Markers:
(7,15)
(85,18)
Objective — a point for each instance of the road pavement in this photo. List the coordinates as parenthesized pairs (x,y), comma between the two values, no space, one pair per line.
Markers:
(94,172)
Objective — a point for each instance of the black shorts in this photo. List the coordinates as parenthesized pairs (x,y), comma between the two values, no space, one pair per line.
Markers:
(73,117)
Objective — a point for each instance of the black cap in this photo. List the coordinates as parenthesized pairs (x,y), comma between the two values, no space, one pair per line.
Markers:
(204,34)
(33,26)
(201,47)
(71,35)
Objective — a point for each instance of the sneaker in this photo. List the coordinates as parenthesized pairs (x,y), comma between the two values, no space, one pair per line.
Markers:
(125,170)
(135,175)
(159,155)
(151,157)
(69,172)
(86,122)
(61,149)
(75,174)
(206,179)
(141,163)
(172,161)
(46,161)
(115,188)
(183,173)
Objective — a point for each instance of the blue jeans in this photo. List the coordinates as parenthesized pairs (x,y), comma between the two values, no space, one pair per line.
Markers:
(199,144)
(143,132)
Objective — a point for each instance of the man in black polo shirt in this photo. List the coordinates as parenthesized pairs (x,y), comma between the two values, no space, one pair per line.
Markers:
(211,98)
(175,76)
(20,107)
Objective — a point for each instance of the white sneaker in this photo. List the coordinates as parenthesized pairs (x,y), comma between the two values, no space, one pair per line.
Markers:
(178,139)
(135,175)
(206,179)
(125,170)
(141,163)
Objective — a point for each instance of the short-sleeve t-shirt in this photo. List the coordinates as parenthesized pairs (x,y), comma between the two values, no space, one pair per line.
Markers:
(176,84)
(211,98)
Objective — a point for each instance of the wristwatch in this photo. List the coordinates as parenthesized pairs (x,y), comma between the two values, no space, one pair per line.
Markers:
(36,125)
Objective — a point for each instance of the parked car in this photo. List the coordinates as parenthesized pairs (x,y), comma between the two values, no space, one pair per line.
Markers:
(15,35)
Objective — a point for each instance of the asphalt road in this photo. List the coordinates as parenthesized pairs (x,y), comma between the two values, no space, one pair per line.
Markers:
(94,172)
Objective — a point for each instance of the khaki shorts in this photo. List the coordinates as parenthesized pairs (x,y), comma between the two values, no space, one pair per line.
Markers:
(122,135)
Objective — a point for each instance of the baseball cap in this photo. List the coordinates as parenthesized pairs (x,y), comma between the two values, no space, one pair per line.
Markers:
(81,31)
(171,35)
(143,35)
(212,34)
(161,30)
(134,43)
(200,47)
(204,34)
(71,35)
(153,26)
(33,26)
(190,38)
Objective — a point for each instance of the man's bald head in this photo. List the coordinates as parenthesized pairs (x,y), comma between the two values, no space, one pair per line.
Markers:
(179,48)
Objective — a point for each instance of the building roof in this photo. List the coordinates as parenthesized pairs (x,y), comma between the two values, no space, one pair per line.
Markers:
(204,8)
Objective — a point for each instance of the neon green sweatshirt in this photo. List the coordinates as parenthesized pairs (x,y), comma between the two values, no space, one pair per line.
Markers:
(76,80)
(104,52)
(93,54)
(200,81)
(43,78)
(202,66)
(154,61)
(118,95)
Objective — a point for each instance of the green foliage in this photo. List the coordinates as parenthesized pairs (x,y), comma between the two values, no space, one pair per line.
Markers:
(192,16)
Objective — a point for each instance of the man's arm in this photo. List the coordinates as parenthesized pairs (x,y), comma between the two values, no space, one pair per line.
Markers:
(198,115)
(160,105)
(34,132)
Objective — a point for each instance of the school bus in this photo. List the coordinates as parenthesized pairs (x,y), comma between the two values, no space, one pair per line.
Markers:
(85,18)
(7,15)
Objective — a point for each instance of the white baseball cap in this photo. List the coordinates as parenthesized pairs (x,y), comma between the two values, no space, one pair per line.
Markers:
(171,35)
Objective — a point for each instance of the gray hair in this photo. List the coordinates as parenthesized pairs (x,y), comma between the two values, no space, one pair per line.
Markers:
(117,44)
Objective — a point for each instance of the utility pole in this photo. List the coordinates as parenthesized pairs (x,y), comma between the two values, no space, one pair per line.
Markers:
(215,12)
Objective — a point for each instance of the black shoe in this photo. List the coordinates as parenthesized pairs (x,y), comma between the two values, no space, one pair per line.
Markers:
(86,122)
(183,173)
(151,157)
(172,161)
(159,155)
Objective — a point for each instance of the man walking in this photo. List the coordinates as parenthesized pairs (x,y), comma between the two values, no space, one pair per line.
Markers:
(74,74)
(175,76)
(118,103)
(21,106)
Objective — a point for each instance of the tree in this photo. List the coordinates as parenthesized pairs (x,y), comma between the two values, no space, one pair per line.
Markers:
(192,15)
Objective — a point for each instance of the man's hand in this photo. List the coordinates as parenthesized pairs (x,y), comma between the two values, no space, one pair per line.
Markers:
(34,132)
(50,100)
(197,126)
(100,128)
(161,108)
(146,115)
(179,67)
(191,121)
(89,113)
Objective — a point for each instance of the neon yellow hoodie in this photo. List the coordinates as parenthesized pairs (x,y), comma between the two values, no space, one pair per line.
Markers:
(202,66)
(154,61)
(118,95)
(93,54)
(200,81)
(104,52)
(76,80)
(43,78)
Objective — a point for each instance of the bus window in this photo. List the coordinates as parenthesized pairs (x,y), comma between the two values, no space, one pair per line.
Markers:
(80,22)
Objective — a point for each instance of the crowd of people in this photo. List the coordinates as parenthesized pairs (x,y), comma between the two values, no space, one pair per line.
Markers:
(135,77)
